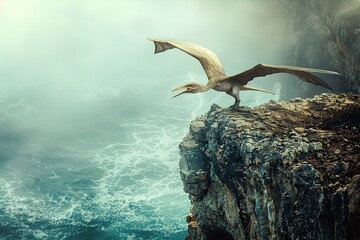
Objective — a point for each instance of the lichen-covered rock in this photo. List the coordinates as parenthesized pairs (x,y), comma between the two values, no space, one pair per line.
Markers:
(283,170)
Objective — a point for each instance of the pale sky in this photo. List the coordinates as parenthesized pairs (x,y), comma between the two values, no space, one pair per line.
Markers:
(61,59)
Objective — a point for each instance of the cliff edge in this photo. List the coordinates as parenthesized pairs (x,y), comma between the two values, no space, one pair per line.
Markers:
(282,170)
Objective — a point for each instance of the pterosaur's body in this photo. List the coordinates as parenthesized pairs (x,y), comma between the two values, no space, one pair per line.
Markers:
(233,84)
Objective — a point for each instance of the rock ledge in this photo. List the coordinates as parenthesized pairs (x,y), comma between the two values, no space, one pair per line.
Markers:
(283,170)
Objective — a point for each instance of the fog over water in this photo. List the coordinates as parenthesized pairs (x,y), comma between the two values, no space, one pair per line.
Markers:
(89,132)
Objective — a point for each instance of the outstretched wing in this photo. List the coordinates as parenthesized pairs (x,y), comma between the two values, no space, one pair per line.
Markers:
(262,70)
(208,59)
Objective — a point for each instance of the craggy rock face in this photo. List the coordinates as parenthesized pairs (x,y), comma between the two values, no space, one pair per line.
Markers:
(327,37)
(283,170)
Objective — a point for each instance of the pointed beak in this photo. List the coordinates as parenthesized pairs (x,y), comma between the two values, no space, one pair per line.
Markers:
(180,88)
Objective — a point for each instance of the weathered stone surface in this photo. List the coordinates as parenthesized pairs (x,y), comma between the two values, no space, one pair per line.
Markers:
(283,170)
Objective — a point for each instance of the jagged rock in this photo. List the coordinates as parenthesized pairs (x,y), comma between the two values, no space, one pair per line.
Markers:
(283,170)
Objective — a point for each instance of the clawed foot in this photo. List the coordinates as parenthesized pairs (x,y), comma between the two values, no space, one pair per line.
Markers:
(236,108)
(236,105)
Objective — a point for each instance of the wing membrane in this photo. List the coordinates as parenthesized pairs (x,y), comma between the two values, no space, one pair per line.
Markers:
(208,59)
(261,70)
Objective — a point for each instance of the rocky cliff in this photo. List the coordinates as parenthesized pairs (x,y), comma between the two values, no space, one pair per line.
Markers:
(327,36)
(282,170)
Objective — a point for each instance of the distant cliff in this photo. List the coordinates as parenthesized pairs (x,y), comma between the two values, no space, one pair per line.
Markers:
(282,170)
(327,36)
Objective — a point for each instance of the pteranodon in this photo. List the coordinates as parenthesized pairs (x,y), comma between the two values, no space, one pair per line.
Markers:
(233,84)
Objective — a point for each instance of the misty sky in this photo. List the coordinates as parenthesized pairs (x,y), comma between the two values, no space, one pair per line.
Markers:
(63,60)
(86,111)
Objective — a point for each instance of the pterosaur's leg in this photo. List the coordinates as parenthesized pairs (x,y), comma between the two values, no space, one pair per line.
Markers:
(236,95)
(236,104)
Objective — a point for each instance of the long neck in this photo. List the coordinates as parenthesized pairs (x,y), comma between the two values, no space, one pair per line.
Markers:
(204,88)
(214,82)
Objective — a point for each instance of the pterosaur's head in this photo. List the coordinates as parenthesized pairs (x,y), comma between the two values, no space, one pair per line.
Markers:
(188,88)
